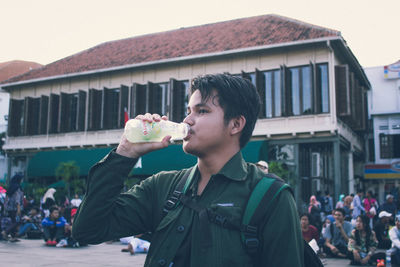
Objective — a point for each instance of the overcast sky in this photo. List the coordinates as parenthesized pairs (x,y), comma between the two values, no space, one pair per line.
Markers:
(44,31)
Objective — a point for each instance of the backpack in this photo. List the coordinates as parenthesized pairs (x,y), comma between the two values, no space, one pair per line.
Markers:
(258,205)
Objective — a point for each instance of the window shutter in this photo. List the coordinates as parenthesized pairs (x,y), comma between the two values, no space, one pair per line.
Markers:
(286,91)
(155,98)
(44,114)
(178,100)
(31,116)
(15,117)
(94,111)
(81,110)
(317,94)
(260,84)
(63,123)
(53,113)
(138,100)
(342,90)
(123,104)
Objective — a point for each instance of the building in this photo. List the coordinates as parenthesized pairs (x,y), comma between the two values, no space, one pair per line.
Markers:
(7,70)
(307,77)
(382,172)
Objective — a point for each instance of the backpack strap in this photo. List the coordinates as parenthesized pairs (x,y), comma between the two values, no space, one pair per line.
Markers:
(179,190)
(258,206)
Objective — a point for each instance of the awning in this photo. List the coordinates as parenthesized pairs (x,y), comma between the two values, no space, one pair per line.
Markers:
(382,171)
(45,163)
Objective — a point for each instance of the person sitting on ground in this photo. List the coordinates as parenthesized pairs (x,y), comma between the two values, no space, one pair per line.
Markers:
(362,243)
(69,241)
(382,228)
(394,235)
(31,223)
(53,227)
(309,231)
(135,244)
(337,236)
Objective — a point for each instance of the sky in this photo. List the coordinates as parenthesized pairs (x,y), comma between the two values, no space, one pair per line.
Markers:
(45,31)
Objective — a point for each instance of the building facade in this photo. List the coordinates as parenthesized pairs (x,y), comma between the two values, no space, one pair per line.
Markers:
(382,171)
(308,79)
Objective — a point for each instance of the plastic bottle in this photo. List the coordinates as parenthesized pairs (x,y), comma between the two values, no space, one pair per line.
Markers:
(389,258)
(138,131)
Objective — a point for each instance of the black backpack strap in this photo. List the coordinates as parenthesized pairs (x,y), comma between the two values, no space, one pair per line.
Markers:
(179,190)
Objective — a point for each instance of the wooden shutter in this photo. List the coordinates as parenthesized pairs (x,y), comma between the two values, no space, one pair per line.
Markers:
(64,116)
(94,109)
(316,88)
(53,113)
(260,84)
(155,98)
(31,116)
(106,109)
(342,90)
(15,117)
(138,100)
(81,110)
(178,100)
(123,104)
(286,91)
(44,114)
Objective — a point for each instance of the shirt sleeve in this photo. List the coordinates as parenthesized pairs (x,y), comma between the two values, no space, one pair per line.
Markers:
(105,212)
(282,236)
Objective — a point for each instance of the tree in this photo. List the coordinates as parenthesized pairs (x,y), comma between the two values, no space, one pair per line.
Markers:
(69,173)
(282,171)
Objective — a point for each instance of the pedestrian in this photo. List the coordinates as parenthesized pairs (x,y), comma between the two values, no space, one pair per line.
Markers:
(222,112)
(13,206)
(53,227)
(76,201)
(362,244)
(358,208)
(314,209)
(370,207)
(337,236)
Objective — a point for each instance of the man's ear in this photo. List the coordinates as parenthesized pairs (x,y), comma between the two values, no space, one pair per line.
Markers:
(238,124)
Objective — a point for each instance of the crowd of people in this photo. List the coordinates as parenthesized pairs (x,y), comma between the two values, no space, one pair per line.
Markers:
(357,228)
(22,217)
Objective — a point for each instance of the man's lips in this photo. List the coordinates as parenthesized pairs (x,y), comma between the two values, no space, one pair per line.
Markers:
(190,133)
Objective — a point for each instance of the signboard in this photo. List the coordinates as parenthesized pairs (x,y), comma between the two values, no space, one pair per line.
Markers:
(392,71)
(382,171)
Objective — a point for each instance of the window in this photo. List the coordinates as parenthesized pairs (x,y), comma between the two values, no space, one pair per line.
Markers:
(273,96)
(110,108)
(180,99)
(300,91)
(15,121)
(322,88)
(389,146)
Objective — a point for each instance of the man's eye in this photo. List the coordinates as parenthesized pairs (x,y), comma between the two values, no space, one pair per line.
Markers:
(202,111)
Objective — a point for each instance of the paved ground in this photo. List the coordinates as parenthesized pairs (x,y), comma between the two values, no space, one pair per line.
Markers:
(32,253)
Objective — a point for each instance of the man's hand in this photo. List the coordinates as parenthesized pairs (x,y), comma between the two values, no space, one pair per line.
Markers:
(136,150)
(339,225)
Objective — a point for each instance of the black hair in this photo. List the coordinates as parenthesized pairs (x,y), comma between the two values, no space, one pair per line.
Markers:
(367,229)
(236,96)
(53,208)
(306,215)
(342,211)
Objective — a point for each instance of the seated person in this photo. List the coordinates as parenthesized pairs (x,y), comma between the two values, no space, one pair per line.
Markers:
(394,235)
(31,224)
(309,232)
(135,244)
(363,243)
(337,235)
(382,228)
(53,227)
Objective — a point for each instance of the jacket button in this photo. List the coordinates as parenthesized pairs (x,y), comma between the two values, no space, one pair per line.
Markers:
(161,262)
(180,228)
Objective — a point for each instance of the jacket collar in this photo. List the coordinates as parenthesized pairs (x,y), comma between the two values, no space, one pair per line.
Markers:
(235,169)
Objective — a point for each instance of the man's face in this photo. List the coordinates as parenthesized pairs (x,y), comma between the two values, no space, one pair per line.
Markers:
(208,132)
(338,216)
(304,221)
(55,214)
(398,224)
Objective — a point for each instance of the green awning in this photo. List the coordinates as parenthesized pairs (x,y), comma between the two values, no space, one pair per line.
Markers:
(45,163)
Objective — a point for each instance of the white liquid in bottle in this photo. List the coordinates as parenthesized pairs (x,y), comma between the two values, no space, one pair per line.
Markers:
(138,131)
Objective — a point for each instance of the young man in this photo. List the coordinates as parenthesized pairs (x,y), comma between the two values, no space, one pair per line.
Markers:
(337,235)
(53,227)
(222,113)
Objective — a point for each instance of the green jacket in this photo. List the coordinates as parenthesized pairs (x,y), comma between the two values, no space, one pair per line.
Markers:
(106,214)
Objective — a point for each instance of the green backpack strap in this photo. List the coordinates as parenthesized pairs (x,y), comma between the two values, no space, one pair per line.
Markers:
(263,194)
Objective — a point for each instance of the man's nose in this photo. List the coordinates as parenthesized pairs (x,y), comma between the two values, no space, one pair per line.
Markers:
(188,119)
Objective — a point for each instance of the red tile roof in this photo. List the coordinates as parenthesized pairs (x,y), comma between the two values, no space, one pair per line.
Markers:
(197,40)
(16,67)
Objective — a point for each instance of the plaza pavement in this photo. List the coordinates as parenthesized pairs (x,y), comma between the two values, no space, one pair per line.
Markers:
(33,253)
